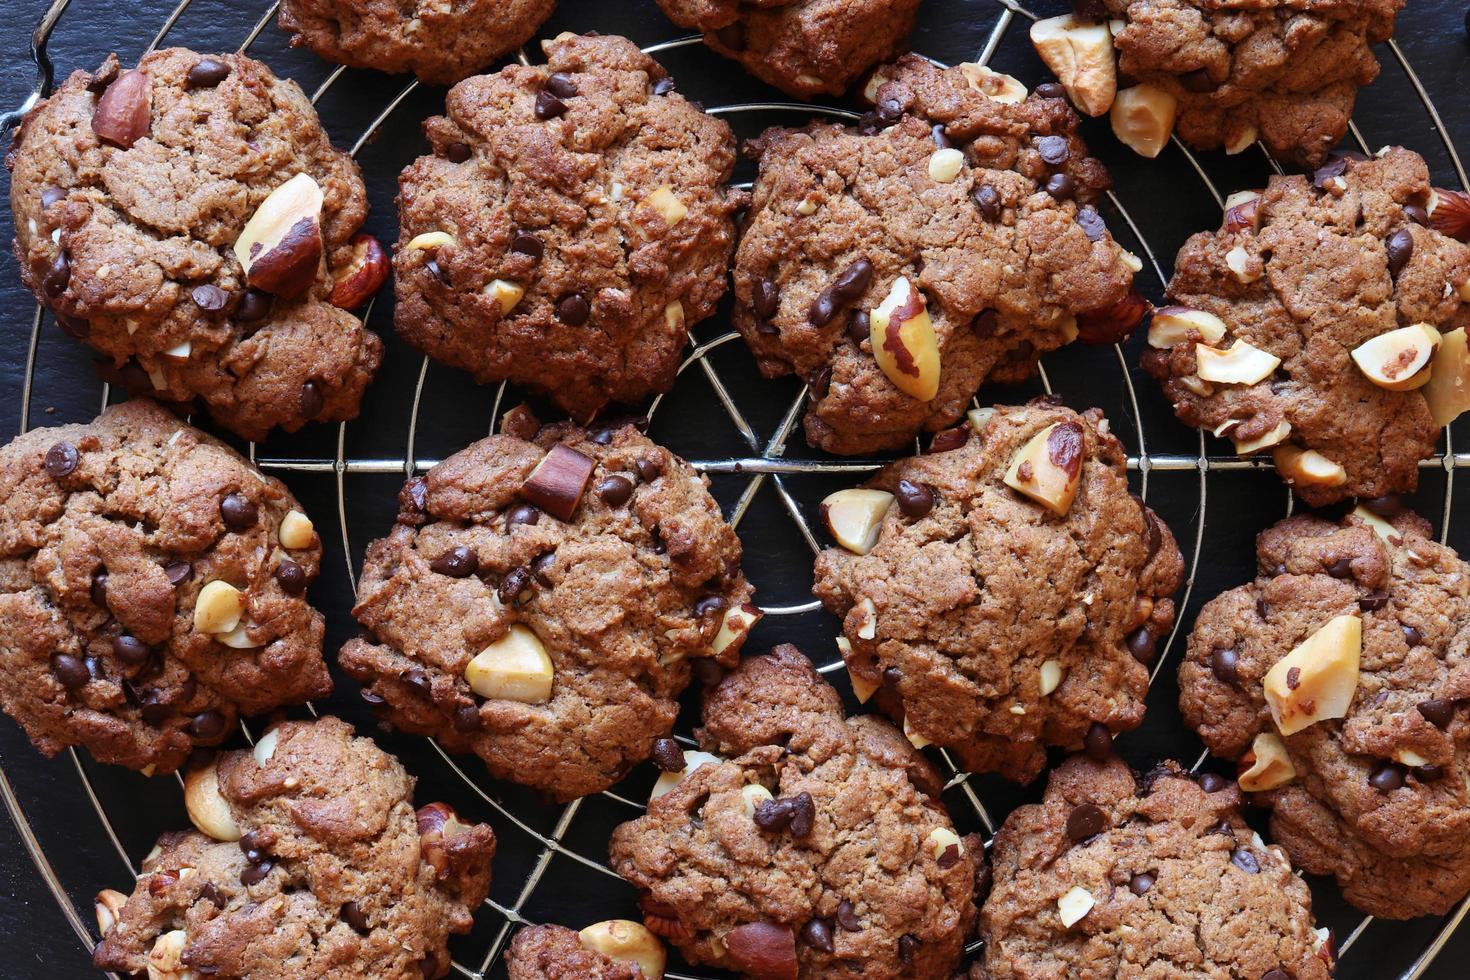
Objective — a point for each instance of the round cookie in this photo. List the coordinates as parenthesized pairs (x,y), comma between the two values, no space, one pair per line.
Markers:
(1005,592)
(154,589)
(933,210)
(440,43)
(135,195)
(809,843)
(1157,877)
(570,226)
(1307,273)
(552,952)
(311,862)
(612,557)
(1376,789)
(803,47)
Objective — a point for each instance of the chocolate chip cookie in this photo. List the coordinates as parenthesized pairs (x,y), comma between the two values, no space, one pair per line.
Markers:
(571,225)
(1004,592)
(189,219)
(948,239)
(1324,321)
(809,843)
(1339,679)
(540,600)
(152,589)
(1158,876)
(310,861)
(441,43)
(804,47)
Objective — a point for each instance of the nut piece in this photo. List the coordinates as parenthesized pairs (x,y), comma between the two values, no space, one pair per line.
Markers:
(297,531)
(1242,364)
(281,246)
(1172,325)
(1382,528)
(363,275)
(1112,324)
(218,608)
(1074,905)
(207,808)
(917,740)
(863,690)
(507,294)
(108,907)
(904,343)
(1245,267)
(763,949)
(674,316)
(665,202)
(855,517)
(992,84)
(1449,213)
(979,418)
(753,796)
(737,624)
(1266,766)
(239,637)
(945,165)
(1143,118)
(1400,359)
(670,780)
(1241,140)
(1317,679)
(1081,56)
(1049,467)
(166,959)
(1276,435)
(430,240)
(1307,466)
(867,621)
(265,748)
(941,839)
(1243,210)
(437,824)
(558,481)
(626,942)
(513,668)
(124,112)
(1051,676)
(1448,390)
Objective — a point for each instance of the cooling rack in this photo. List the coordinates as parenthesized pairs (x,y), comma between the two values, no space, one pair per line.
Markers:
(84,826)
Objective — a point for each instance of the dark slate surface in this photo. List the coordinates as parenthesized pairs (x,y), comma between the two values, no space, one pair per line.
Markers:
(1165,198)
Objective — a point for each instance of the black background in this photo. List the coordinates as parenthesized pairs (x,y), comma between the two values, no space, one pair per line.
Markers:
(1166,199)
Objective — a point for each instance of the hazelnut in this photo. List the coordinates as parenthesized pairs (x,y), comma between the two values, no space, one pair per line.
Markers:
(513,668)
(124,112)
(623,941)
(855,517)
(1242,364)
(1049,467)
(1448,390)
(364,274)
(1243,265)
(1074,905)
(1173,324)
(507,294)
(1109,324)
(438,825)
(941,839)
(1400,359)
(429,240)
(1080,54)
(280,248)
(1278,434)
(208,810)
(265,749)
(1449,213)
(1143,118)
(1201,388)
(166,958)
(1051,675)
(1266,765)
(108,907)
(1242,211)
(1316,681)
(735,627)
(238,638)
(1307,466)
(992,84)
(669,781)
(667,204)
(1410,758)
(297,531)
(753,796)
(762,949)
(903,340)
(218,607)
(945,165)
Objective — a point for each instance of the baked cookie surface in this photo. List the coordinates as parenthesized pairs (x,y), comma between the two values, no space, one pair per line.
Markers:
(1366,777)
(803,47)
(1158,876)
(932,216)
(152,589)
(440,43)
(621,578)
(552,952)
(994,622)
(570,226)
(140,195)
(312,862)
(811,842)
(1327,280)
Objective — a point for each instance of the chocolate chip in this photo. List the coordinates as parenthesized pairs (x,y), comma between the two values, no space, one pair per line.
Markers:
(1212,782)
(1373,601)
(1412,636)
(859,327)
(1416,214)
(525,243)
(1389,505)
(354,917)
(561,85)
(98,590)
(847,917)
(649,469)
(1335,166)
(767,298)
(950,439)
(573,309)
(732,36)
(207,725)
(178,571)
(291,577)
(1342,568)
(541,566)
(61,460)
(209,298)
(52,195)
(1400,248)
(821,383)
(803,815)
(238,512)
(457,152)
(907,947)
(615,490)
(1050,90)
(548,106)
(818,935)
(1142,645)
(1197,81)
(663,86)
(1092,224)
(129,649)
(458,562)
(773,815)
(154,708)
(418,679)
(914,499)
(1439,712)
(1224,664)
(667,755)
(1388,777)
(1061,187)
(522,514)
(437,271)
(1427,773)
(211,893)
(254,874)
(1086,820)
(847,288)
(1098,742)
(710,605)
(1139,884)
(1245,861)
(940,137)
(1054,150)
(467,718)
(207,73)
(514,586)
(71,672)
(57,276)
(254,305)
(987,199)
(1276,975)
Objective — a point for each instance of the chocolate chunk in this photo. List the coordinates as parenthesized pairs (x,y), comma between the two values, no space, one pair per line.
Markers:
(1092,223)
(514,588)
(847,917)
(914,499)
(1086,820)
(1388,777)
(458,562)
(178,572)
(1373,601)
(1098,742)
(525,243)
(207,73)
(1212,782)
(667,755)
(238,512)
(457,152)
(130,649)
(766,298)
(1245,861)
(71,672)
(1142,645)
(573,309)
(522,514)
(291,577)
(1224,664)
(254,874)
(1400,248)
(818,935)
(1061,186)
(61,460)
(254,305)
(548,106)
(209,298)
(987,199)
(1140,883)
(561,85)
(418,679)
(354,917)
(615,490)
(1054,150)
(207,725)
(1050,90)
(1439,712)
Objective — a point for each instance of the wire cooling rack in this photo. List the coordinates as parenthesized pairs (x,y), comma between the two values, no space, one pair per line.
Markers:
(731,425)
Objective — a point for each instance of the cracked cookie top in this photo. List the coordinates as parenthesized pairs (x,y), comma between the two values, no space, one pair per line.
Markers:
(946,240)
(439,42)
(1323,321)
(1340,677)
(310,862)
(152,589)
(541,597)
(570,226)
(1158,876)
(803,47)
(135,194)
(1004,592)
(811,842)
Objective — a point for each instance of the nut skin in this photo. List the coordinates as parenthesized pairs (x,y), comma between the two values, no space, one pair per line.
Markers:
(1451,214)
(765,950)
(365,273)
(1113,324)
(904,342)
(438,826)
(557,483)
(123,114)
(281,245)
(1048,467)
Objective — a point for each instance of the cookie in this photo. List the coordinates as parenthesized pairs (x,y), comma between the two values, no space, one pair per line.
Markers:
(1005,592)
(803,47)
(552,952)
(541,598)
(571,225)
(142,197)
(439,43)
(896,265)
(310,861)
(1325,281)
(808,843)
(1115,876)
(1339,679)
(152,589)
